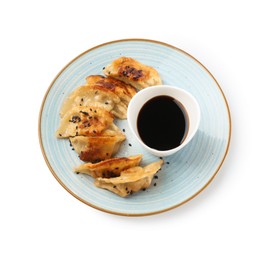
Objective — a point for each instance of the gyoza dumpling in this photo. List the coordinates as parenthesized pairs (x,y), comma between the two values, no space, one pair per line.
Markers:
(133,72)
(96,148)
(130,180)
(86,121)
(109,168)
(124,91)
(88,95)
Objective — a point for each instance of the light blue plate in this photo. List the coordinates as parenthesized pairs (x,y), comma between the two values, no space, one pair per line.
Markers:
(185,173)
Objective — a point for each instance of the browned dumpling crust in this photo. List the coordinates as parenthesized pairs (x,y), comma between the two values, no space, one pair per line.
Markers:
(86,121)
(93,95)
(131,180)
(97,148)
(124,91)
(109,168)
(133,72)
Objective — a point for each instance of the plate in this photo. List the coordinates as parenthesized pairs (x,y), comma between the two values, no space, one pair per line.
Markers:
(184,174)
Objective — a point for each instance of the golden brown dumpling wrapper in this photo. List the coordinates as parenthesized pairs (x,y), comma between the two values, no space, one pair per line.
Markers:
(87,95)
(130,180)
(133,72)
(97,148)
(109,168)
(124,91)
(86,121)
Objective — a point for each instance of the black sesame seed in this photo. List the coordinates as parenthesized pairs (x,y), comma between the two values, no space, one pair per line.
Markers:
(75,119)
(114,187)
(84,113)
(130,144)
(156,177)
(124,130)
(168,162)
(103,68)
(77,172)
(155,184)
(60,134)
(143,189)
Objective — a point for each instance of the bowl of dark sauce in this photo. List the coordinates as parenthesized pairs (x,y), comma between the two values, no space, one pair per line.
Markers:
(163,118)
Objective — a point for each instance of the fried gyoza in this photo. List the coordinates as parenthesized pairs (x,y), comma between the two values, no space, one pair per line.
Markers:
(130,180)
(124,91)
(86,121)
(97,148)
(95,95)
(133,72)
(109,168)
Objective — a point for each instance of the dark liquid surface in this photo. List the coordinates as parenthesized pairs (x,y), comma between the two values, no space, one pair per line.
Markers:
(162,123)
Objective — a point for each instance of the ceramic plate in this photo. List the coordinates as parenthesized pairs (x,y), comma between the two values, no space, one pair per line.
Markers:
(183,174)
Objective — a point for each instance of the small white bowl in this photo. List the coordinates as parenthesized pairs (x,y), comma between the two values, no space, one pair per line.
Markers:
(185,98)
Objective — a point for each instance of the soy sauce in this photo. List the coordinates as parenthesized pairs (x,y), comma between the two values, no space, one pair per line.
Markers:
(162,123)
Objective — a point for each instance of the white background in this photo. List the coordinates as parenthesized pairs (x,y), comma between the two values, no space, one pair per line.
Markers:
(230,219)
